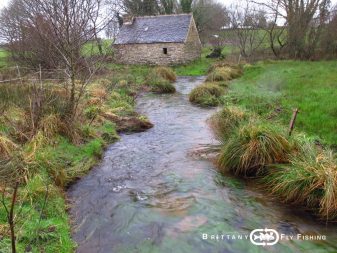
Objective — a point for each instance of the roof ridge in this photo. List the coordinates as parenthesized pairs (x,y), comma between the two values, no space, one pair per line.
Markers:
(164,15)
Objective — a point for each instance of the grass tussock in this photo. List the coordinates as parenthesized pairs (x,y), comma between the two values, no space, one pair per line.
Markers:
(50,125)
(225,121)
(310,179)
(224,73)
(236,70)
(166,73)
(160,85)
(252,147)
(7,147)
(206,95)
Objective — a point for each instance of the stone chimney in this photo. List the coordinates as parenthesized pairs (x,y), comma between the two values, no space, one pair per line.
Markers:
(128,19)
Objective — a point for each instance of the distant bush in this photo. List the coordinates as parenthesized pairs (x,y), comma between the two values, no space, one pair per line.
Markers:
(206,95)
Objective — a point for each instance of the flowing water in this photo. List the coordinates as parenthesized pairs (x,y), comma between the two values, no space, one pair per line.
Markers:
(151,193)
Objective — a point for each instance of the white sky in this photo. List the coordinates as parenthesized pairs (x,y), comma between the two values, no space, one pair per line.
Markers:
(3,3)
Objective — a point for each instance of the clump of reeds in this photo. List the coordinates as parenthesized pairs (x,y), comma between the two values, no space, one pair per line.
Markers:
(252,147)
(50,125)
(310,179)
(158,84)
(224,121)
(166,73)
(206,95)
(224,73)
(99,92)
(7,147)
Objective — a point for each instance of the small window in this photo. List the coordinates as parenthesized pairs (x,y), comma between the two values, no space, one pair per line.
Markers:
(165,50)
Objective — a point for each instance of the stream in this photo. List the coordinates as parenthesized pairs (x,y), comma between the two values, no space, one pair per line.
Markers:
(152,194)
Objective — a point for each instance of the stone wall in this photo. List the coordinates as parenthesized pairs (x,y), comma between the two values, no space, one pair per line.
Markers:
(161,53)
(152,54)
(193,44)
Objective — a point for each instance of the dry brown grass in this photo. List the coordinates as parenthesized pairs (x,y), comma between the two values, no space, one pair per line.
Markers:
(224,73)
(224,121)
(7,147)
(99,92)
(252,147)
(206,94)
(166,73)
(50,125)
(310,179)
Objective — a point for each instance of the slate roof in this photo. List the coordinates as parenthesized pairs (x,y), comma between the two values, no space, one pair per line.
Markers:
(155,29)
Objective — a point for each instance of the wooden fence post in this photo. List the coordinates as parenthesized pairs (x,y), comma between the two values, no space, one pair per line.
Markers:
(292,121)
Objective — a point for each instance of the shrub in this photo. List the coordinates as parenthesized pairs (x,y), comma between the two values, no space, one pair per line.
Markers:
(166,73)
(252,147)
(224,121)
(310,179)
(207,94)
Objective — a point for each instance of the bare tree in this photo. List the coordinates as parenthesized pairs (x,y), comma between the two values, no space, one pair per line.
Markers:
(245,25)
(210,17)
(304,19)
(276,34)
(59,29)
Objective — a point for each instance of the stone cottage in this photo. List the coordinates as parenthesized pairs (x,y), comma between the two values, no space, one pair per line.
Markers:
(158,40)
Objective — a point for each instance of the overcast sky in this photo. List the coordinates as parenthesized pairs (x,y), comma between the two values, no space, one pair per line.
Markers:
(225,2)
(5,2)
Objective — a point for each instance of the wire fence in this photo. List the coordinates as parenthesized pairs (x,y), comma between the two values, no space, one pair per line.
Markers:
(21,74)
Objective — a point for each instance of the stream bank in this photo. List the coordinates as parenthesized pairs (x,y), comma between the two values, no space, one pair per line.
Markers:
(149,194)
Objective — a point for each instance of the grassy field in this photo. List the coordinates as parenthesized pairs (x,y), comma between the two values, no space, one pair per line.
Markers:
(3,57)
(252,128)
(91,48)
(274,89)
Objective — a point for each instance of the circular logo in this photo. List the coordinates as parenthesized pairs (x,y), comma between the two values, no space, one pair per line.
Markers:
(264,237)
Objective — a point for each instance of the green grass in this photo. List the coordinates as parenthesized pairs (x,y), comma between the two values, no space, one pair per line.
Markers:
(3,57)
(274,89)
(198,67)
(91,48)
(41,223)
(136,74)
(206,95)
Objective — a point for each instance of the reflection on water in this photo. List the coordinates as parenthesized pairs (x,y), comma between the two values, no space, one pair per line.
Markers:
(150,194)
